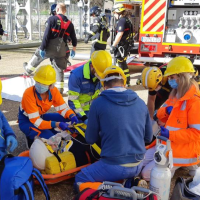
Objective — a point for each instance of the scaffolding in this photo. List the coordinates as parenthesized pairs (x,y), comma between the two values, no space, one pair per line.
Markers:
(24,20)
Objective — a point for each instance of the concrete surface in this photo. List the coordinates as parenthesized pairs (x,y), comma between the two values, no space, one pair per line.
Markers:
(11,65)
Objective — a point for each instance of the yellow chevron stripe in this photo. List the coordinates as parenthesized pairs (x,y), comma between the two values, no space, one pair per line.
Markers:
(153,9)
(153,19)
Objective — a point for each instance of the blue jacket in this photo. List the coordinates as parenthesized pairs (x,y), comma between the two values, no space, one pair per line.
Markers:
(5,130)
(83,89)
(121,119)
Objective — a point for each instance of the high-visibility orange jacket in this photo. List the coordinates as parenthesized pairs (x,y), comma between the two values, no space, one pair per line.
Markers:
(184,127)
(33,106)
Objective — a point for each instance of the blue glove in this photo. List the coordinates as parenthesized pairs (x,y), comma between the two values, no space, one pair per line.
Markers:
(85,122)
(11,140)
(169,109)
(72,53)
(164,132)
(42,53)
(73,119)
(64,126)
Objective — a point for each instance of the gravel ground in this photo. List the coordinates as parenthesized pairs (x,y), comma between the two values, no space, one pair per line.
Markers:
(11,66)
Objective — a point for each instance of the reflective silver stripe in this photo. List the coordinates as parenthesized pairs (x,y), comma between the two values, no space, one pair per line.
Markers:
(78,110)
(183,106)
(96,24)
(147,74)
(170,128)
(164,105)
(73,97)
(63,106)
(24,113)
(184,160)
(38,122)
(92,33)
(196,126)
(33,115)
(64,111)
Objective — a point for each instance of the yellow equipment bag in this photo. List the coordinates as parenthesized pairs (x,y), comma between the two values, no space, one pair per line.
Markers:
(53,166)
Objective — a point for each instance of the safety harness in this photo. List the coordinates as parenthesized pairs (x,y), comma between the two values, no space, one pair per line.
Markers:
(64,26)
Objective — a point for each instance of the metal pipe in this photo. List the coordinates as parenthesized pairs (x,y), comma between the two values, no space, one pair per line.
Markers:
(39,20)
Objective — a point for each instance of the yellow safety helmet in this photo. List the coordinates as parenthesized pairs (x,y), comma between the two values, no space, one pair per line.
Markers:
(151,77)
(0,92)
(179,65)
(113,70)
(118,8)
(46,75)
(100,61)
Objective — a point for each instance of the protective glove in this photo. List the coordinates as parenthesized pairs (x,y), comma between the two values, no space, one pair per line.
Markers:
(11,140)
(85,122)
(72,53)
(42,53)
(169,109)
(112,49)
(164,132)
(73,119)
(64,126)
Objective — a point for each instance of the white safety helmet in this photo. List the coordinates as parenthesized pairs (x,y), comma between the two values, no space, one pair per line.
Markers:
(38,154)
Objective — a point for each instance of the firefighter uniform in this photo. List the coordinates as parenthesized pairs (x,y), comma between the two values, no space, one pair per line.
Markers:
(83,89)
(99,34)
(33,119)
(124,46)
(54,42)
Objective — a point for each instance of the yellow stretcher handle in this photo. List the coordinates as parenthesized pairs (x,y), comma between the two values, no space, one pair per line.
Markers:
(77,127)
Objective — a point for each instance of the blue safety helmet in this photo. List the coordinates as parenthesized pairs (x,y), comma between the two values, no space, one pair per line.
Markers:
(95,10)
(53,9)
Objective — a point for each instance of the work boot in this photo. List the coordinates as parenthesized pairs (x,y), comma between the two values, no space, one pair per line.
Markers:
(28,72)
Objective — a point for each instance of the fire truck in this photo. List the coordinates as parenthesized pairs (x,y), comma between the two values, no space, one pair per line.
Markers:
(168,28)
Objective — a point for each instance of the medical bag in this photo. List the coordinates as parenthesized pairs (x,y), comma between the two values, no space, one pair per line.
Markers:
(16,178)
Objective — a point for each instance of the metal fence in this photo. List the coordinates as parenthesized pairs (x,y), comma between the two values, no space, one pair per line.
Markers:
(24,20)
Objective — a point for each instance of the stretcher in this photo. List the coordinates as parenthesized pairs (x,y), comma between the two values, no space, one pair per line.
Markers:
(56,178)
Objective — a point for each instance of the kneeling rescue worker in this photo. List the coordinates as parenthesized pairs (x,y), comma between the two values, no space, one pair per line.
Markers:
(123,144)
(37,100)
(124,39)
(84,84)
(180,118)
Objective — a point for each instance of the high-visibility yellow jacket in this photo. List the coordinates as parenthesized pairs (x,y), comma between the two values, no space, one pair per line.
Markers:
(184,127)
(33,106)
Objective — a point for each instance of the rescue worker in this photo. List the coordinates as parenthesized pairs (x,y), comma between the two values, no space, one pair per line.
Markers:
(122,138)
(152,78)
(37,100)
(7,135)
(84,85)
(54,45)
(99,31)
(180,118)
(123,40)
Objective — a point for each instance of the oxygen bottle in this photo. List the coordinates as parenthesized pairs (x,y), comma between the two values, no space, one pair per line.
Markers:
(160,178)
